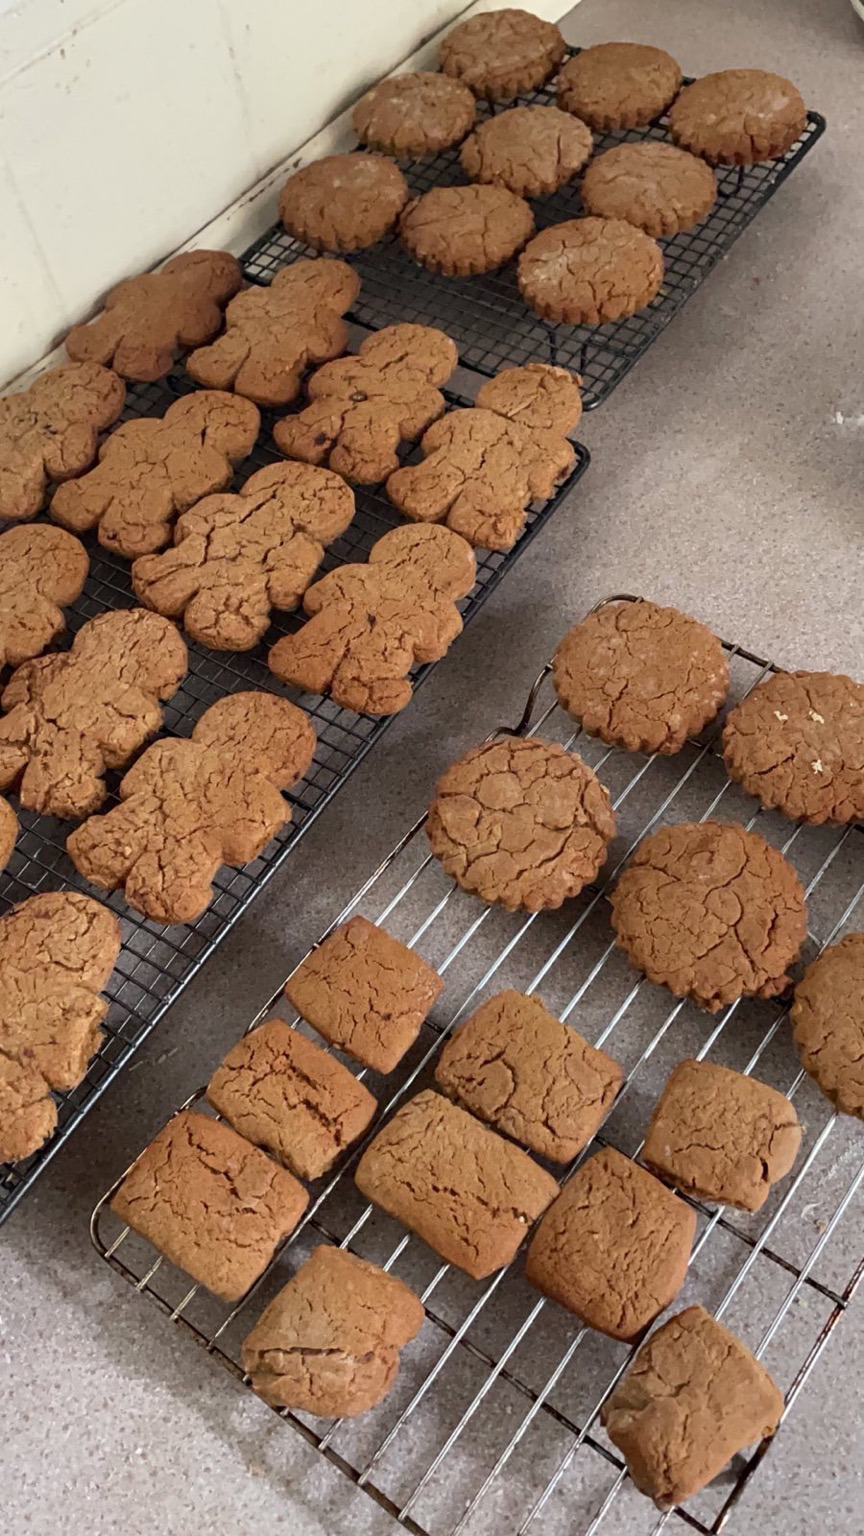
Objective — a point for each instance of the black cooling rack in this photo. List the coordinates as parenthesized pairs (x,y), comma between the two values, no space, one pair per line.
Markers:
(156,962)
(487,317)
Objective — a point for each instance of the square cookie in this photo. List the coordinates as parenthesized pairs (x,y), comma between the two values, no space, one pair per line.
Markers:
(692,1399)
(614,1247)
(468,1193)
(365,993)
(720,1135)
(519,1068)
(211,1203)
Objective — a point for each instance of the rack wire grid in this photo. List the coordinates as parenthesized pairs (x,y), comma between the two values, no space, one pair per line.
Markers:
(486,315)
(493,1424)
(156,962)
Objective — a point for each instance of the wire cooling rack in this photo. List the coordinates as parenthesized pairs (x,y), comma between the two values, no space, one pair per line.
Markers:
(486,315)
(494,1421)
(156,962)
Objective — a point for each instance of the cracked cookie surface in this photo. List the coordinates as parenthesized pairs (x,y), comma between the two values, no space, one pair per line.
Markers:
(530,150)
(738,116)
(343,202)
(828,1023)
(521,822)
(214,1205)
(519,1068)
(28,1114)
(590,271)
(618,85)
(42,570)
(51,432)
(797,743)
(654,185)
(712,912)
(460,231)
(468,1193)
(415,114)
(503,53)
(329,1343)
(641,677)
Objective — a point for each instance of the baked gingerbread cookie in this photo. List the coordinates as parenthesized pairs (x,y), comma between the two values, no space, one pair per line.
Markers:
(590,271)
(149,320)
(521,822)
(712,912)
(828,1023)
(8,832)
(531,151)
(483,465)
(363,407)
(461,231)
(738,117)
(653,185)
(51,431)
(797,743)
(414,115)
(152,468)
(370,624)
(70,717)
(343,202)
(618,85)
(273,334)
(42,570)
(502,54)
(641,677)
(188,807)
(235,558)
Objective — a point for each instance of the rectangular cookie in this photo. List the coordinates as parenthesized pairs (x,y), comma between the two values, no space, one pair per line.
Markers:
(519,1068)
(468,1193)
(365,993)
(287,1095)
(214,1205)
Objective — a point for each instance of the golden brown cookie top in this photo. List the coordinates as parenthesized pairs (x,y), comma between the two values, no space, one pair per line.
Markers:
(343,202)
(414,114)
(530,150)
(537,397)
(590,271)
(654,185)
(502,53)
(828,1023)
(28,1114)
(618,85)
(51,431)
(59,937)
(464,230)
(738,116)
(41,570)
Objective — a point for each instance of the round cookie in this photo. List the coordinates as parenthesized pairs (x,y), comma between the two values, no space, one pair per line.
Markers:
(797,743)
(738,116)
(589,271)
(618,85)
(828,1023)
(653,185)
(712,912)
(503,53)
(461,231)
(530,150)
(641,677)
(343,202)
(522,823)
(418,114)
(8,832)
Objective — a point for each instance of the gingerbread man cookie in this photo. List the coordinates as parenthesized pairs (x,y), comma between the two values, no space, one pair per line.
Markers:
(152,468)
(363,407)
(50,432)
(482,466)
(149,319)
(187,807)
(273,334)
(370,624)
(73,716)
(42,569)
(236,557)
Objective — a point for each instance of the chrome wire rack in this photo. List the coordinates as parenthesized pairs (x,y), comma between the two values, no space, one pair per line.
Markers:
(494,1421)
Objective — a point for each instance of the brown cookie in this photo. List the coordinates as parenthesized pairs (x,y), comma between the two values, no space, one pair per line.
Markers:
(640,676)
(502,54)
(362,408)
(482,466)
(370,624)
(618,85)
(42,570)
(797,743)
(460,231)
(521,822)
(656,186)
(329,1343)
(722,1136)
(692,1399)
(590,271)
(712,912)
(530,150)
(414,115)
(738,116)
(148,320)
(187,807)
(70,717)
(343,202)
(828,1023)
(235,558)
(8,832)
(57,951)
(273,334)
(51,431)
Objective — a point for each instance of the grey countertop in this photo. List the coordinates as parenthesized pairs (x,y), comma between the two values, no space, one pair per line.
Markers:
(727,479)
